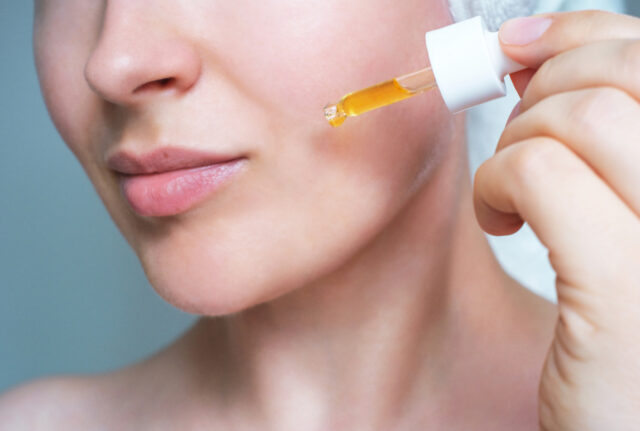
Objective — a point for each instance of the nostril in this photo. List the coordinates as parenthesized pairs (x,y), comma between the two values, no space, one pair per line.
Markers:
(159,84)
(166,82)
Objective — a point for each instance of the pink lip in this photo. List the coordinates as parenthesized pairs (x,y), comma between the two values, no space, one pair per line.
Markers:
(162,160)
(175,192)
(170,180)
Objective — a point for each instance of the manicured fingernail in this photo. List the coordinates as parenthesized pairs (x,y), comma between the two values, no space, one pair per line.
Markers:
(523,31)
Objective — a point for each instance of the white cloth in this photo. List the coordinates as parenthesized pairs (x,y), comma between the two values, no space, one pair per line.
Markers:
(522,255)
(494,12)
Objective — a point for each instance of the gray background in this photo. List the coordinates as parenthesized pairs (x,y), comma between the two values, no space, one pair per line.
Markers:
(73,297)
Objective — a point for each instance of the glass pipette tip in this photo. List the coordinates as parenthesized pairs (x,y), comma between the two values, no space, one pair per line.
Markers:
(377,96)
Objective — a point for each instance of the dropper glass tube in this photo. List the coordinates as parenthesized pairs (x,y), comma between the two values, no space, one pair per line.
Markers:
(380,95)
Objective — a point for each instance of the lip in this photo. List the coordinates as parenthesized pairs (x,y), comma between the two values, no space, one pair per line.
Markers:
(162,160)
(170,181)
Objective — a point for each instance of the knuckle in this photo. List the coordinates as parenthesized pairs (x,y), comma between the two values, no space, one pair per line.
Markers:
(599,19)
(630,58)
(594,14)
(576,27)
(571,28)
(598,107)
(531,161)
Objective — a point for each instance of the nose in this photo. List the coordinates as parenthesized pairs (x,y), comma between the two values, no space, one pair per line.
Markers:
(137,60)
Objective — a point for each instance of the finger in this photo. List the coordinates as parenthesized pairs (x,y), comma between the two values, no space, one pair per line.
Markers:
(591,234)
(521,80)
(514,113)
(611,63)
(564,31)
(602,126)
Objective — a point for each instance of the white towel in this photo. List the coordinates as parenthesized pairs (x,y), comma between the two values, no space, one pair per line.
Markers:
(521,254)
(495,12)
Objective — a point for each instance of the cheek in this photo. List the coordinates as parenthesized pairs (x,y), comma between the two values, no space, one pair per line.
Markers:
(319,52)
(323,49)
(71,111)
(63,39)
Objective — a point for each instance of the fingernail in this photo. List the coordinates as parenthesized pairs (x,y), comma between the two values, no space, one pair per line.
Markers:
(523,31)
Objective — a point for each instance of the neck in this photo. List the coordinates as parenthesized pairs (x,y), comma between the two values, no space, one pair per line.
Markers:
(390,332)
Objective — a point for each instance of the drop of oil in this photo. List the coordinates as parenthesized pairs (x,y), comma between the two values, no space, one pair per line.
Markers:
(334,115)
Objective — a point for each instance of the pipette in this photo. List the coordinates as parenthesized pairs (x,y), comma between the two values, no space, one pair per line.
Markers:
(380,95)
(467,65)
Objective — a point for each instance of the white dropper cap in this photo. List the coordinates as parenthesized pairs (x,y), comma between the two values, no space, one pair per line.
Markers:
(468,64)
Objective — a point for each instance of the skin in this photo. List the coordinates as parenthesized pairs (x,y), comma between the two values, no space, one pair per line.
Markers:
(568,166)
(346,266)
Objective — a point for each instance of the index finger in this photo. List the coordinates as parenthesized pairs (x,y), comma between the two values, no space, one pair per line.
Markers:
(564,31)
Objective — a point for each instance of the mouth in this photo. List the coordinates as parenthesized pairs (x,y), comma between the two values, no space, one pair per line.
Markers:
(171,181)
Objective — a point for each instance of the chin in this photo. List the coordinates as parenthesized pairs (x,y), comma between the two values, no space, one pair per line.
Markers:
(212,280)
(202,288)
(203,295)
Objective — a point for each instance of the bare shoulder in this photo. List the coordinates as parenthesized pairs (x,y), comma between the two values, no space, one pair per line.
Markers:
(54,403)
(155,393)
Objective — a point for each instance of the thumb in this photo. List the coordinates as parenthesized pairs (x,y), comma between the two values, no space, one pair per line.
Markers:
(532,41)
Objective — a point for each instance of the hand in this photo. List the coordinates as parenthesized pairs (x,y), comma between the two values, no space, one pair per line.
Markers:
(569,165)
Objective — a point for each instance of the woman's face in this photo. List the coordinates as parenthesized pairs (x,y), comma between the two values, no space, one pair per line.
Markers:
(241,79)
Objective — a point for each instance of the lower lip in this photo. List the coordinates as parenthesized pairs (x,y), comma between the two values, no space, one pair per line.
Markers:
(175,192)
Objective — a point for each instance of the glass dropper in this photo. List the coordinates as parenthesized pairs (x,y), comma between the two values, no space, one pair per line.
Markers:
(380,95)
(465,57)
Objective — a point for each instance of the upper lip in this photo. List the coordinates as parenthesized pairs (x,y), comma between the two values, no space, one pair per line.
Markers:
(162,160)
